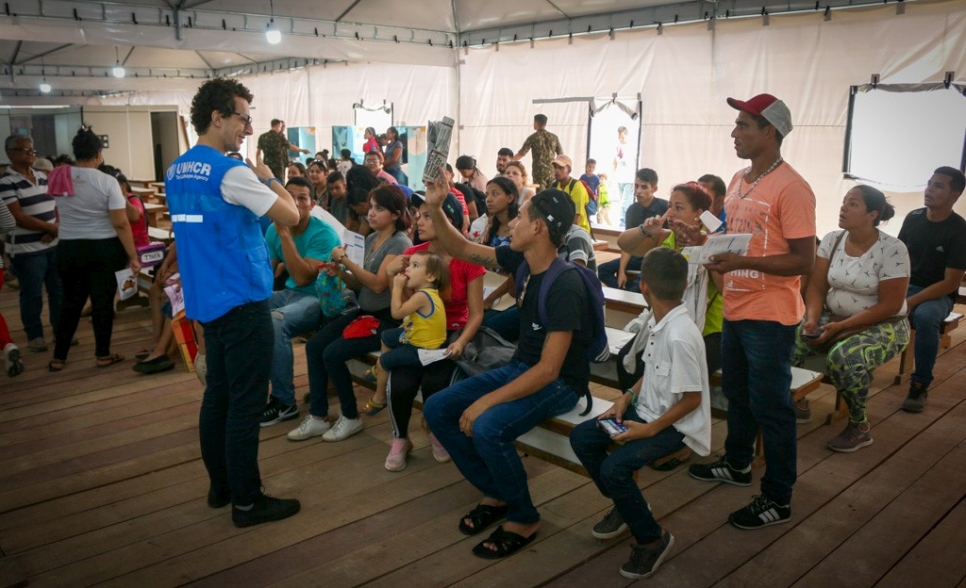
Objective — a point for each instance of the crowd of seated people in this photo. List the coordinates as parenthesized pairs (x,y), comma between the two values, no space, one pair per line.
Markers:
(419,287)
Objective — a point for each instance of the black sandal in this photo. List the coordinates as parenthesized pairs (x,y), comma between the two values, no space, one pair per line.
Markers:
(506,543)
(482,517)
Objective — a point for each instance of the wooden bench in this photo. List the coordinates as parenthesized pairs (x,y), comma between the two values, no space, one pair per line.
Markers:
(622,306)
(163,235)
(550,440)
(153,211)
(907,361)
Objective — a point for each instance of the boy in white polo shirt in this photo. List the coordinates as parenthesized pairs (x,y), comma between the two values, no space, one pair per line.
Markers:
(665,410)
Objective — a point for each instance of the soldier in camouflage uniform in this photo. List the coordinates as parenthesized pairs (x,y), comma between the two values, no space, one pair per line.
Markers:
(275,147)
(545,146)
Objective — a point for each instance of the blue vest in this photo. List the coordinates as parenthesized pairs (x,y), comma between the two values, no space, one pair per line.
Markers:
(222,254)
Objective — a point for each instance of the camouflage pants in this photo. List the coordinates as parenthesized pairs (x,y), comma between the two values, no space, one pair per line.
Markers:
(850,362)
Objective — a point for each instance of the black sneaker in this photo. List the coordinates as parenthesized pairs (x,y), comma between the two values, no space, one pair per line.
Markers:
(610,526)
(276,412)
(721,471)
(218,499)
(264,510)
(646,560)
(916,400)
(762,512)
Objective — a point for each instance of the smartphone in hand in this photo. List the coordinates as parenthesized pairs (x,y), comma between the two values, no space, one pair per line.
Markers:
(611,427)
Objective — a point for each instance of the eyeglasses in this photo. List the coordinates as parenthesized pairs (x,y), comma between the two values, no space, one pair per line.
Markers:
(244,117)
(23,150)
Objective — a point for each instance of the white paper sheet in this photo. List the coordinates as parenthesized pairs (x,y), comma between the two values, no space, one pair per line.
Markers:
(127,284)
(729,243)
(428,356)
(355,246)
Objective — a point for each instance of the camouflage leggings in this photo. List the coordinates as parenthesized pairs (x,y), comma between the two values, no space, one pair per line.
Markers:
(850,362)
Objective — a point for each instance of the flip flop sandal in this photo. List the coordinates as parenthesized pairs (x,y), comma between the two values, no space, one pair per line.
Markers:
(482,517)
(372,408)
(506,543)
(56,365)
(103,362)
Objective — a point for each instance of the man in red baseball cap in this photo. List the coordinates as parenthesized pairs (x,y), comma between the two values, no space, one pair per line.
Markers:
(762,306)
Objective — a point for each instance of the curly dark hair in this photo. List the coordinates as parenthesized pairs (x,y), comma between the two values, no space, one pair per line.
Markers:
(217,94)
(86,144)
(510,189)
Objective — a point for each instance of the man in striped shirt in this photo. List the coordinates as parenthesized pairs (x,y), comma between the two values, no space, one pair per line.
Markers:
(32,243)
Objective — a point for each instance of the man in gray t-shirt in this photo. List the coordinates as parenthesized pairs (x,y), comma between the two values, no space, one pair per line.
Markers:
(578,247)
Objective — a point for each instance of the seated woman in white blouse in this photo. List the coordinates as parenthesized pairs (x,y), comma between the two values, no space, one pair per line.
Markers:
(859,285)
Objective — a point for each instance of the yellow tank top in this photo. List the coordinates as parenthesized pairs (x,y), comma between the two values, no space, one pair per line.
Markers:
(427,331)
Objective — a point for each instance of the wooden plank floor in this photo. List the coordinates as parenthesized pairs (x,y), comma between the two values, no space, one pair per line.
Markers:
(101,483)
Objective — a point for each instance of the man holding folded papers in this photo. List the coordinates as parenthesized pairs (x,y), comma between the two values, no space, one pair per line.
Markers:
(762,306)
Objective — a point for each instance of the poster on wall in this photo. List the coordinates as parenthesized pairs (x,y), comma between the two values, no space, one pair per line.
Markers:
(411,139)
(614,138)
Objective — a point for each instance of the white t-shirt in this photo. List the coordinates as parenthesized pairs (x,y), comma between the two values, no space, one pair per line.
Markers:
(674,363)
(86,214)
(854,281)
(240,186)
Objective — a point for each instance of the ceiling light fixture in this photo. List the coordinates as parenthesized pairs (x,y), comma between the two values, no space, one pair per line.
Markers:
(118,70)
(272,34)
(44,86)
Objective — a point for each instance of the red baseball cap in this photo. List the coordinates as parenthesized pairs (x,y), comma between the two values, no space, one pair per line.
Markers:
(765,105)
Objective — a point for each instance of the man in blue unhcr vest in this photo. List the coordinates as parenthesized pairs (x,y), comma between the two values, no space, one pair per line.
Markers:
(215,202)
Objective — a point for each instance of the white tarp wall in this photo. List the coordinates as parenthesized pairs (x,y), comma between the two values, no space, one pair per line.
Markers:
(323,97)
(685,74)
(682,75)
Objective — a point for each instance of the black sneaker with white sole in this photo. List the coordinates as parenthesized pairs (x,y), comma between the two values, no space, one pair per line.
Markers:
(721,471)
(610,526)
(276,412)
(762,512)
(646,560)
(264,510)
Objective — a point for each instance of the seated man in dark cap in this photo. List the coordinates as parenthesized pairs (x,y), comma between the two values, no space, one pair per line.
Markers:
(478,419)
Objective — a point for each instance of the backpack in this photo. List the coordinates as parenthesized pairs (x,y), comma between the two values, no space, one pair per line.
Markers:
(484,352)
(592,199)
(598,351)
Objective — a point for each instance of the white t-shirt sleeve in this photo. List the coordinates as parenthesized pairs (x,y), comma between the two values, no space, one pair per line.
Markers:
(115,198)
(895,260)
(241,187)
(825,248)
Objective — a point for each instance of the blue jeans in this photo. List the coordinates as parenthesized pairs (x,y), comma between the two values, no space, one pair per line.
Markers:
(231,409)
(614,473)
(293,313)
(326,354)
(36,270)
(607,272)
(757,375)
(927,319)
(506,323)
(399,175)
(489,459)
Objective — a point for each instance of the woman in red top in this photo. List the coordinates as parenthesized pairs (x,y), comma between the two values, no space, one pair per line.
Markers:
(372,142)
(464,314)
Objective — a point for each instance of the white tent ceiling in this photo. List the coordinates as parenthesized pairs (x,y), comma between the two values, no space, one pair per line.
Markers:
(169,44)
